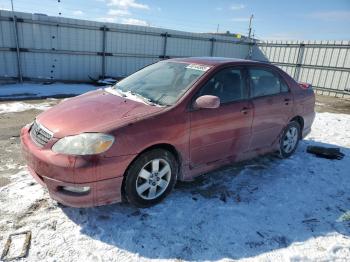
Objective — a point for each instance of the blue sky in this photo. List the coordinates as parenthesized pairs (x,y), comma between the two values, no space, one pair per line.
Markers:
(296,19)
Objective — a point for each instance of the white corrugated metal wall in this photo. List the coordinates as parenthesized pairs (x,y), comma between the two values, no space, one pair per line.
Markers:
(69,49)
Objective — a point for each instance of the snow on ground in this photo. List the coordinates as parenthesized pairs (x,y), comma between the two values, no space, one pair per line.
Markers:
(21,106)
(34,90)
(267,209)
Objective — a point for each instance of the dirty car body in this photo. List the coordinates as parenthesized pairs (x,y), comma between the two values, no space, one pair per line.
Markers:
(219,111)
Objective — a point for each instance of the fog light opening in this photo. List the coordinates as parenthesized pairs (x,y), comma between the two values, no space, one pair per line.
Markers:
(77,190)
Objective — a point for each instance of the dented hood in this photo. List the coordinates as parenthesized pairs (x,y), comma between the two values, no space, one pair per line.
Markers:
(96,111)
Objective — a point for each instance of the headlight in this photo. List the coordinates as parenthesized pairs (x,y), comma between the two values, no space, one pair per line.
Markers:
(83,144)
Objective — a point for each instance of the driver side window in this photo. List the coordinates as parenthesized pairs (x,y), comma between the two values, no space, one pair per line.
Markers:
(228,85)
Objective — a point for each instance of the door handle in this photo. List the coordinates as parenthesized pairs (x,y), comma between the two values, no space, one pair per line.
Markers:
(245,110)
(286,101)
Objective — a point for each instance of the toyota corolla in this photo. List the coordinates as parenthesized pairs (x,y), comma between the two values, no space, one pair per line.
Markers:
(172,120)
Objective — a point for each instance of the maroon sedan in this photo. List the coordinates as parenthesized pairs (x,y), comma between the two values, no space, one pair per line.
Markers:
(172,120)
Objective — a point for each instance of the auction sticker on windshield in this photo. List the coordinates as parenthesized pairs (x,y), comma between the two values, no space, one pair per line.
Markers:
(198,67)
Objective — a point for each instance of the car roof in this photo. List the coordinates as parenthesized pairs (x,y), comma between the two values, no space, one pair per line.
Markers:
(213,61)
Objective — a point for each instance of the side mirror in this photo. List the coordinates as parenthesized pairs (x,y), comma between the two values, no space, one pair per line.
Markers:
(207,101)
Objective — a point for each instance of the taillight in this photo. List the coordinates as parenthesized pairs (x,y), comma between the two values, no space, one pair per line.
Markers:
(305,85)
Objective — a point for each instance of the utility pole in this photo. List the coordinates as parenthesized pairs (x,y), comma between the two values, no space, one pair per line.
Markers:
(250,50)
(217,28)
(250,26)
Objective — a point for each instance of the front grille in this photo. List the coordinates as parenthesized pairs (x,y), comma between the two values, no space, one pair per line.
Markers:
(39,134)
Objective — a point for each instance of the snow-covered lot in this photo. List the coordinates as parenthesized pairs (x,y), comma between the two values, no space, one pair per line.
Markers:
(267,209)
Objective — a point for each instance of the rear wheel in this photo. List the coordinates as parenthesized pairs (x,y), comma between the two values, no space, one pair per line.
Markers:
(290,139)
(150,178)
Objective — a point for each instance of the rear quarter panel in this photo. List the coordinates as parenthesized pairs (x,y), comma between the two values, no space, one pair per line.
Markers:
(304,103)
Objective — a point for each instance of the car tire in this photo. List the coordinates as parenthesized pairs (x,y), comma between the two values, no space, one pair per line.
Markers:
(290,139)
(150,178)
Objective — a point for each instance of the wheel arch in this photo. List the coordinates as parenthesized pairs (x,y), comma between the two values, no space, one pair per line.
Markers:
(300,121)
(168,147)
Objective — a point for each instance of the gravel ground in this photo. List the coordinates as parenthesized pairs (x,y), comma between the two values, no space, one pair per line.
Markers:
(10,125)
(332,105)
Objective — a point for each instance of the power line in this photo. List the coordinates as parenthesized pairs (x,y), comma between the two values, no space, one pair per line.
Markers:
(59,7)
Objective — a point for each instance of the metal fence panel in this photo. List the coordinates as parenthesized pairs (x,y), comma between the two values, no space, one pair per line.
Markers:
(8,66)
(126,43)
(324,64)
(7,34)
(69,49)
(124,65)
(187,47)
(227,50)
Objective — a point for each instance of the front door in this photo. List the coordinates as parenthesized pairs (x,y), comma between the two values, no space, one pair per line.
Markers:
(223,132)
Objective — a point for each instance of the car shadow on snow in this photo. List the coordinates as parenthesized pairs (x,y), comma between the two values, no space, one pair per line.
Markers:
(240,211)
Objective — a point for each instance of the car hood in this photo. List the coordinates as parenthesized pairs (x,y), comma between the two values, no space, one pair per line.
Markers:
(96,111)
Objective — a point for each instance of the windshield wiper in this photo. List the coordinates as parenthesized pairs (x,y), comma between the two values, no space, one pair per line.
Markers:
(120,92)
(127,94)
(146,99)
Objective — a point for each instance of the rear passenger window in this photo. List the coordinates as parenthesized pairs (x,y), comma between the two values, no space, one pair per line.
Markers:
(264,82)
(228,85)
(284,87)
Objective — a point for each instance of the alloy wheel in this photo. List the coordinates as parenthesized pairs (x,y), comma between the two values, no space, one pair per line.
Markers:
(290,139)
(153,179)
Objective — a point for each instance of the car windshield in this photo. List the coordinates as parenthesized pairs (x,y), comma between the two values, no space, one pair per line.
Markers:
(162,83)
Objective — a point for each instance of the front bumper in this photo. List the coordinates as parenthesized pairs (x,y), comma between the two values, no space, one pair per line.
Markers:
(101,192)
(103,175)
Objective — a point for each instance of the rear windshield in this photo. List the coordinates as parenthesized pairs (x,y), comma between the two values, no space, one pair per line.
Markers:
(162,83)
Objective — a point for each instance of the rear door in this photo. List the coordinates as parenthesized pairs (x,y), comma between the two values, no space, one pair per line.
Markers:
(223,132)
(272,103)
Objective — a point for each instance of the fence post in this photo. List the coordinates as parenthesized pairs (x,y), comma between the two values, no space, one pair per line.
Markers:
(165,35)
(19,70)
(299,61)
(212,40)
(104,29)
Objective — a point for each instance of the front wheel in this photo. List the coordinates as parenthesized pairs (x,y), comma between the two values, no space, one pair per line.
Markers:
(150,178)
(290,139)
